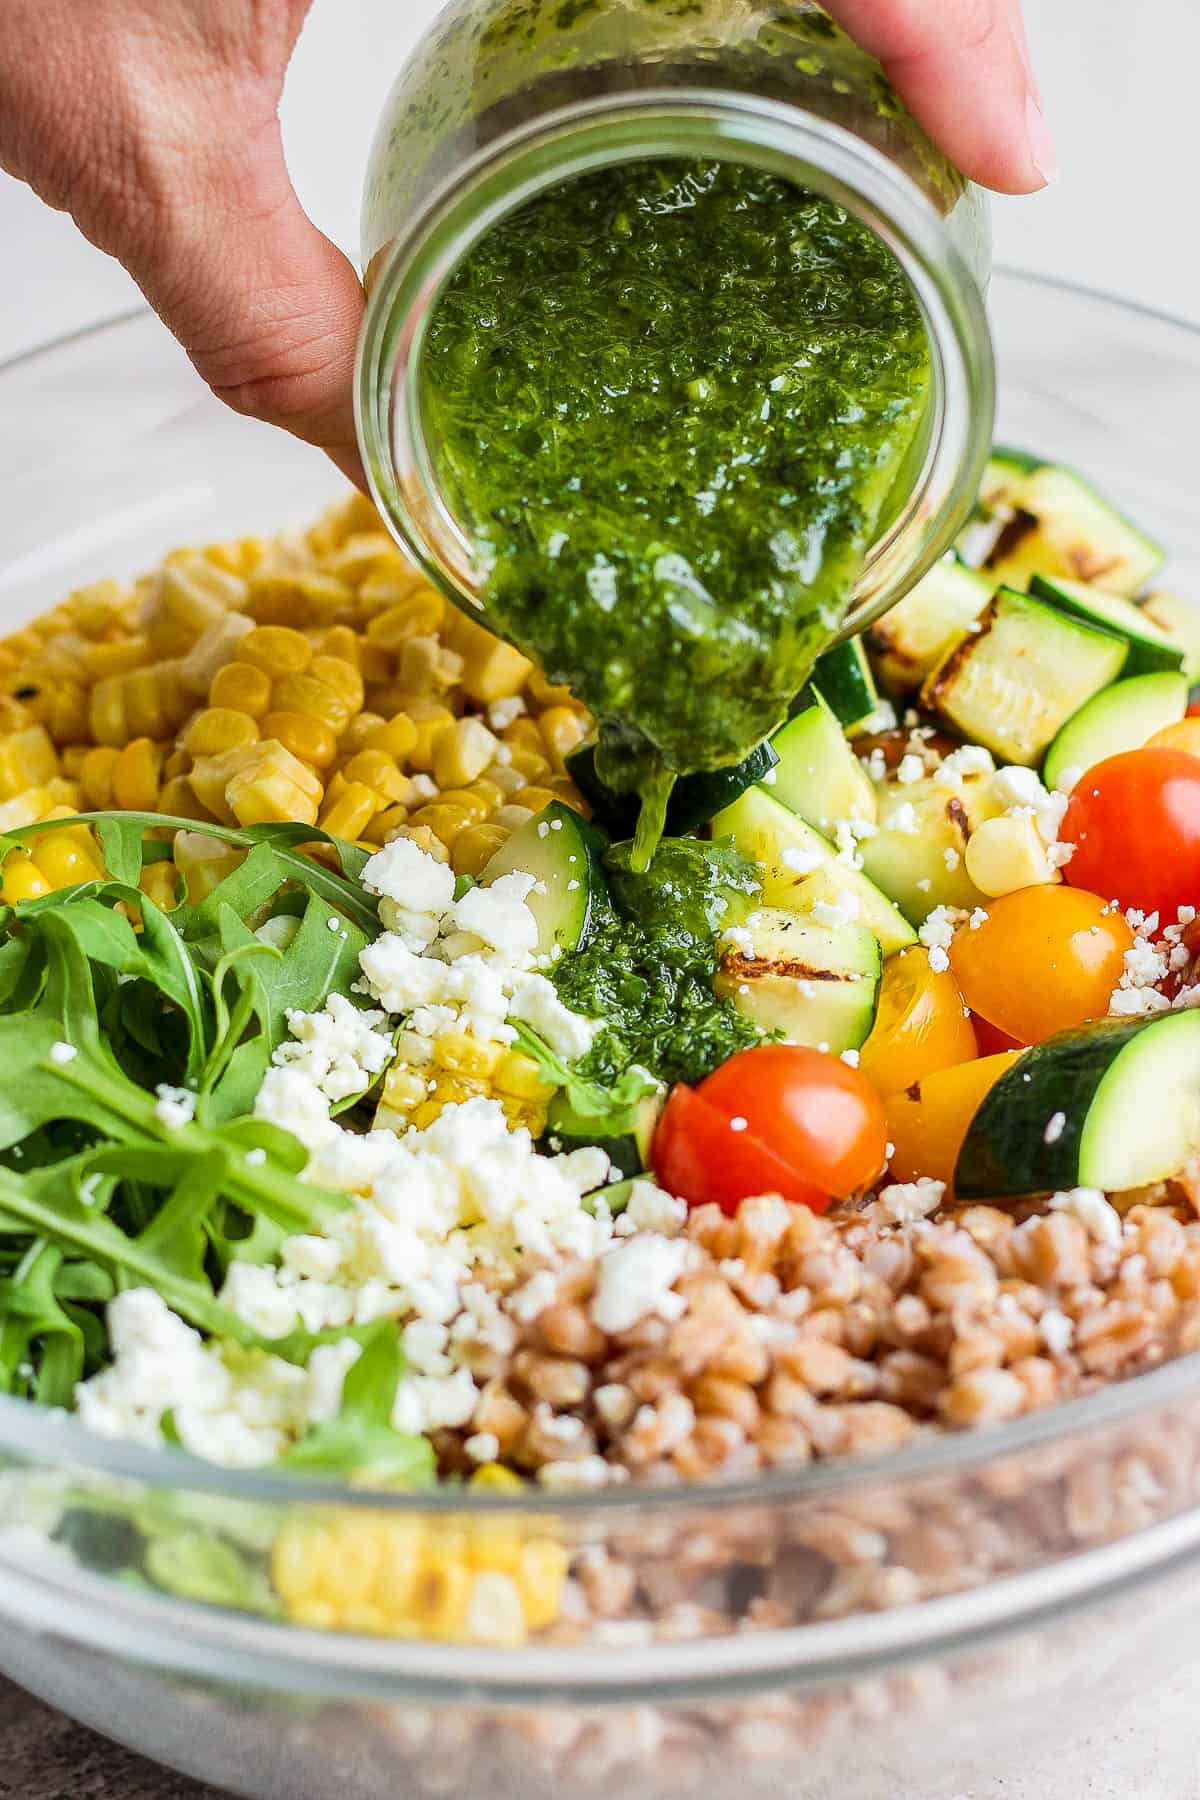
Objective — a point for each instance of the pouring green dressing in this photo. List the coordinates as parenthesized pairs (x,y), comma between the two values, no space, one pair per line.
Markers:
(669,403)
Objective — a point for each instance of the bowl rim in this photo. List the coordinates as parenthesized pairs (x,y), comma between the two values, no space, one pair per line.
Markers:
(33,1435)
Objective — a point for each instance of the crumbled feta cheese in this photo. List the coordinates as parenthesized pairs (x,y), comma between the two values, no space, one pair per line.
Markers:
(1091,1207)
(535,1000)
(340,1049)
(403,872)
(1055,1126)
(176,1106)
(482,1447)
(498,914)
(903,818)
(651,1208)
(503,713)
(842,910)
(636,1280)
(800,862)
(911,770)
(908,1200)
(62,1054)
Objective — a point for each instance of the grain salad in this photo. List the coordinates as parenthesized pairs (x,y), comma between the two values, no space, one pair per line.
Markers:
(373,1116)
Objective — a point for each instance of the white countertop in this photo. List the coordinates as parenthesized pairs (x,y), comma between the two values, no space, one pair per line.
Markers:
(1119,83)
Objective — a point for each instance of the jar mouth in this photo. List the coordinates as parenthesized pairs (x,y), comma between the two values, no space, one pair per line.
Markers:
(406,284)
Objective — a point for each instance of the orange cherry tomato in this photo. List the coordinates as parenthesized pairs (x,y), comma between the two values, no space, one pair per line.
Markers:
(929,1121)
(1135,824)
(920,1026)
(1044,958)
(1183,735)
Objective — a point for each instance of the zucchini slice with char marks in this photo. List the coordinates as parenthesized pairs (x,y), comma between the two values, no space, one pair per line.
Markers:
(805,983)
(1063,527)
(913,637)
(844,680)
(1112,1105)
(1180,619)
(1013,682)
(819,776)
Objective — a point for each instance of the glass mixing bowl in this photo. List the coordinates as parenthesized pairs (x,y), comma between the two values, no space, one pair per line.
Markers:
(913,1625)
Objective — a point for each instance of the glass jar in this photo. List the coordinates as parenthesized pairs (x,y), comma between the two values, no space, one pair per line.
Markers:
(503,99)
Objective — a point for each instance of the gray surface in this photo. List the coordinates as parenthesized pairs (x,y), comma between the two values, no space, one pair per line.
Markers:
(44,1756)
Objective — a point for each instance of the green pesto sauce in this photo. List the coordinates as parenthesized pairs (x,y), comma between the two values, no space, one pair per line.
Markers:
(648,969)
(669,402)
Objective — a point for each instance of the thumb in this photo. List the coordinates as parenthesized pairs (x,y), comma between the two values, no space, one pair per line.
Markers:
(962,68)
(267,308)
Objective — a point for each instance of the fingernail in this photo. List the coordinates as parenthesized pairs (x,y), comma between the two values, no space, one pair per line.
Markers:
(1042,151)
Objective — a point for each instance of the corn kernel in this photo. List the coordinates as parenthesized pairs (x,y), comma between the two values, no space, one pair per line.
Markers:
(565,790)
(100,607)
(64,860)
(212,651)
(397,738)
(425,666)
(374,662)
(546,693)
(219,728)
(467,801)
(386,824)
(178,800)
(22,879)
(426,838)
(359,732)
(342,678)
(160,884)
(349,815)
(461,1054)
(404,1089)
(489,792)
(492,669)
(1008,853)
(96,777)
(463,753)
(537,798)
(241,687)
(117,658)
(297,597)
(27,759)
(341,641)
(432,721)
(563,729)
(475,847)
(308,738)
(203,862)
(306,694)
(135,775)
(277,650)
(272,784)
(72,758)
(519,1077)
(444,821)
(387,588)
(418,615)
(367,553)
(375,769)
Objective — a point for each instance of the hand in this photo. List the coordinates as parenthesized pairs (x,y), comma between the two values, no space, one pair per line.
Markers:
(154,123)
(963,68)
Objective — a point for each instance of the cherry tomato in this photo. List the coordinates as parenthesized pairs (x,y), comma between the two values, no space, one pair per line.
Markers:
(813,1111)
(699,1156)
(1135,820)
(1193,711)
(1044,958)
(991,1040)
(921,1024)
(1184,734)
(929,1121)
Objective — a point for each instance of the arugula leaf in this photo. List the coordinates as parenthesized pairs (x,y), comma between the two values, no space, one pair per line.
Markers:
(31,1307)
(198,1566)
(121,838)
(362,1441)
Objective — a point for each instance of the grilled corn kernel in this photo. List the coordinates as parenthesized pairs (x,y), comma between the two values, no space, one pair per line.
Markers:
(220,728)
(342,677)
(404,1089)
(546,693)
(237,556)
(241,687)
(397,738)
(563,729)
(374,662)
(296,598)
(22,879)
(72,758)
(277,650)
(522,733)
(444,821)
(519,1077)
(1008,853)
(475,847)
(531,765)
(367,553)
(106,715)
(178,800)
(387,588)
(27,759)
(188,594)
(349,815)
(375,769)
(135,775)
(68,714)
(308,738)
(467,801)
(417,615)
(425,666)
(104,659)
(492,670)
(462,754)
(432,720)
(306,694)
(564,789)
(63,793)
(96,776)
(155,700)
(272,784)
(177,763)
(341,641)
(489,792)
(100,607)
(160,883)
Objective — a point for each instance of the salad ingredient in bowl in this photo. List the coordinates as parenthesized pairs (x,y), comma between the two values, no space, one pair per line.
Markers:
(370,1113)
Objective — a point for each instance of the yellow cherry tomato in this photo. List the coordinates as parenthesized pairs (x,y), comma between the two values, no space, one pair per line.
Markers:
(928,1122)
(921,1025)
(1184,734)
(1045,958)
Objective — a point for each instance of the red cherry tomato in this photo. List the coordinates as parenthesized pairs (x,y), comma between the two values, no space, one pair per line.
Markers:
(700,1156)
(1193,711)
(777,1120)
(1135,821)
(991,1040)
